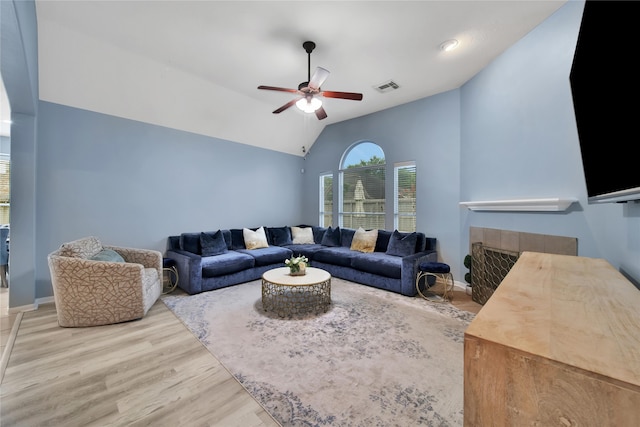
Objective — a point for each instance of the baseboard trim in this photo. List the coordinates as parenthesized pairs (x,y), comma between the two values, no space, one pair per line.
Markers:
(4,360)
(461,286)
(31,307)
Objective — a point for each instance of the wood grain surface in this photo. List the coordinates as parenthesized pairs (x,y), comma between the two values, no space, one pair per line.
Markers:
(151,371)
(557,344)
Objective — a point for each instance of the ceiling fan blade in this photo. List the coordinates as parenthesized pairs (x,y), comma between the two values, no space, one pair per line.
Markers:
(281,89)
(319,76)
(287,105)
(321,114)
(342,95)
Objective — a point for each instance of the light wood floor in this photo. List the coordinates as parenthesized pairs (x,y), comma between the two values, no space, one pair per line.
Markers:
(464,302)
(151,371)
(6,319)
(147,372)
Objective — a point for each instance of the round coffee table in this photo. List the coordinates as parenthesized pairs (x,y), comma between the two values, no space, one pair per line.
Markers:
(285,294)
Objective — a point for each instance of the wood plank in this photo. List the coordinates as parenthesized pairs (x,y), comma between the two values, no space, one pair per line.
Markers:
(557,344)
(147,372)
(574,309)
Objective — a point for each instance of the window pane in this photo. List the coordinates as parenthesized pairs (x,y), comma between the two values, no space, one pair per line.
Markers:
(363,188)
(326,200)
(405,197)
(5,189)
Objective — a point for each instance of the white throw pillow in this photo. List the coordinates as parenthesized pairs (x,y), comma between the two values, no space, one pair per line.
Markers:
(302,235)
(255,239)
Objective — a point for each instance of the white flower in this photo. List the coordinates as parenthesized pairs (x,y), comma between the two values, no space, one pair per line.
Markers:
(296,261)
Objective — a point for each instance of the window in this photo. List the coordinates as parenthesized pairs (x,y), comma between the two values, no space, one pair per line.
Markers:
(404,210)
(326,200)
(5,188)
(362,194)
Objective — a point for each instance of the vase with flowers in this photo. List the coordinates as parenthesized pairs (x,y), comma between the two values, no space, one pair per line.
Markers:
(297,265)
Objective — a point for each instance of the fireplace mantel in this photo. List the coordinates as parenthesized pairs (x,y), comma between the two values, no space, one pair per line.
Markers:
(521,205)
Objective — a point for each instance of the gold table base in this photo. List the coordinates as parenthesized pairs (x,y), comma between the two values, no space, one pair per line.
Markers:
(293,295)
(440,291)
(169,279)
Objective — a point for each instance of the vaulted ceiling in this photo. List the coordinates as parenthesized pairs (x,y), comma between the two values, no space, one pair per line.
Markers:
(196,65)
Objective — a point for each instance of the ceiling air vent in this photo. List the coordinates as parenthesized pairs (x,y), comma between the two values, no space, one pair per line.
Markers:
(387,86)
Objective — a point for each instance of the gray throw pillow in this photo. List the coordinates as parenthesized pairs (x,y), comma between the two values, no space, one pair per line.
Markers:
(401,244)
(213,245)
(108,255)
(331,237)
(280,236)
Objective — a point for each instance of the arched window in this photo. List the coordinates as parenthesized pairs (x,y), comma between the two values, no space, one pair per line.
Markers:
(362,183)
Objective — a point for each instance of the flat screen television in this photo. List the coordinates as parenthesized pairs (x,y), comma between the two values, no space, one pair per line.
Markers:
(605,86)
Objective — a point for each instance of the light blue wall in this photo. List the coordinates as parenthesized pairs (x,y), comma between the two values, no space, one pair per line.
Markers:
(19,67)
(509,133)
(519,140)
(133,184)
(426,131)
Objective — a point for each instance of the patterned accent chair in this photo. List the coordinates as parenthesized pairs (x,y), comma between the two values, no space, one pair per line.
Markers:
(95,284)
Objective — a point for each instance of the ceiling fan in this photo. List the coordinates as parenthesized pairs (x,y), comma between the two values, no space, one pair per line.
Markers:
(309,91)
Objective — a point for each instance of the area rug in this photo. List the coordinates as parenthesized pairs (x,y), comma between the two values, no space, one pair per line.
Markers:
(375,358)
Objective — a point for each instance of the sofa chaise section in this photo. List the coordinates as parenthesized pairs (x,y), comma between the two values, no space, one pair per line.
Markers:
(387,266)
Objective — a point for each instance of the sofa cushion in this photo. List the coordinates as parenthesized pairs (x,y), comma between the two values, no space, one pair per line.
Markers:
(226,263)
(402,244)
(255,239)
(213,245)
(364,241)
(346,236)
(302,236)
(108,255)
(383,240)
(308,250)
(279,236)
(331,237)
(318,233)
(335,255)
(190,242)
(269,255)
(237,239)
(378,263)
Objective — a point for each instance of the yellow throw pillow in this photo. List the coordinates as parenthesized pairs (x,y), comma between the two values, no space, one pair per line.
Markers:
(255,239)
(364,241)
(302,235)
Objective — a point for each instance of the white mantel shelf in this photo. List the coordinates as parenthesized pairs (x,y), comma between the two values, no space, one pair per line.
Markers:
(521,205)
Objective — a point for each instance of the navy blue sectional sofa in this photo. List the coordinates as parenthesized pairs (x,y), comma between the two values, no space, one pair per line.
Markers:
(213,260)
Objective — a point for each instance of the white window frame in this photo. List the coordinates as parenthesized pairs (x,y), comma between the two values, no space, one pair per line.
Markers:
(321,201)
(396,195)
(341,172)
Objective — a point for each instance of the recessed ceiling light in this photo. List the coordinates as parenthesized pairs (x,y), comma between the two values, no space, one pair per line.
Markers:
(449,45)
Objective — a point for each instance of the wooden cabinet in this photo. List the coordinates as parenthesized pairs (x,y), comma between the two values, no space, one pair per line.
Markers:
(558,344)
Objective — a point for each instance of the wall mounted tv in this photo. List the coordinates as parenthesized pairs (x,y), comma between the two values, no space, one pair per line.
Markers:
(605,86)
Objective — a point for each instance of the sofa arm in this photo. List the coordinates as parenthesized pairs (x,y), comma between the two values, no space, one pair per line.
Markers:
(410,265)
(189,267)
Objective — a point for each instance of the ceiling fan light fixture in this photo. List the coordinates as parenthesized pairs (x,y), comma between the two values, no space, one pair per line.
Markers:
(309,105)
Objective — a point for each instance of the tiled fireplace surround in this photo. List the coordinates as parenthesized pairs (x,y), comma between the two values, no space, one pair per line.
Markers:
(517,241)
(497,251)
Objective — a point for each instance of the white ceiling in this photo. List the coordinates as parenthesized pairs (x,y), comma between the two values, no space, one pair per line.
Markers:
(196,65)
